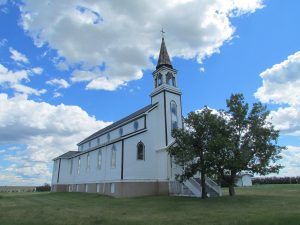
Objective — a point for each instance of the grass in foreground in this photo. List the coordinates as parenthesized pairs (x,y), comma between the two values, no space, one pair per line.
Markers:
(261,205)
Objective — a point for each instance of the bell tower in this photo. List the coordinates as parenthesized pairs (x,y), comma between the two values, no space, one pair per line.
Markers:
(167,94)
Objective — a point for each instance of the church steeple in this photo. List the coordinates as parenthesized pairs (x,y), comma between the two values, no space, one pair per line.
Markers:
(163,59)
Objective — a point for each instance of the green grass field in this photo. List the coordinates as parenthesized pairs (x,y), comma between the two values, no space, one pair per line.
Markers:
(261,205)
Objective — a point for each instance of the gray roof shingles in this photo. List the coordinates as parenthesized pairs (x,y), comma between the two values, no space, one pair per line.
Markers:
(67,155)
(116,124)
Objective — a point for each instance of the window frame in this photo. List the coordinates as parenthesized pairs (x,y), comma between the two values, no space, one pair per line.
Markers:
(99,159)
(113,157)
(138,151)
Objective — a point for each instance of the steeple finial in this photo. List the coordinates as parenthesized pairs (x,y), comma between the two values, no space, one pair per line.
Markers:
(163,59)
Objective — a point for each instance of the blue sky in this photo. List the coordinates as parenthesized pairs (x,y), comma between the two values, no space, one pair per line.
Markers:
(69,68)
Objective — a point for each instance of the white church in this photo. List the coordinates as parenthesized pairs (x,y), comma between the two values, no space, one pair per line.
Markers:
(128,158)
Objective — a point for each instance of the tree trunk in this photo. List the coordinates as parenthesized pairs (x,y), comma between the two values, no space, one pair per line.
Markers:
(231,190)
(203,195)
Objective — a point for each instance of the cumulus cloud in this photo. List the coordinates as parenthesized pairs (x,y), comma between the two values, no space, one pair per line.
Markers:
(291,161)
(46,130)
(18,56)
(281,85)
(281,82)
(13,79)
(59,83)
(111,42)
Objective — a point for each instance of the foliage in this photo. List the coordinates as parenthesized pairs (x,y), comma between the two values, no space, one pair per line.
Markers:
(252,141)
(192,150)
(45,187)
(276,180)
(224,143)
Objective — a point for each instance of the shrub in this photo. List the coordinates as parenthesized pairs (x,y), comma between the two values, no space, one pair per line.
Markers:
(45,187)
(276,180)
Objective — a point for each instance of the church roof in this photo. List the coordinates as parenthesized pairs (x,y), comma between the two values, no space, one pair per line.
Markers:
(163,59)
(66,155)
(116,124)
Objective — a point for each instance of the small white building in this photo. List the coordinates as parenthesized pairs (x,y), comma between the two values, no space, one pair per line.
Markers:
(129,157)
(244,180)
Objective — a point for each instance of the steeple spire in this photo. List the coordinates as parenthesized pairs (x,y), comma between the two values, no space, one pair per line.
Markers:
(163,59)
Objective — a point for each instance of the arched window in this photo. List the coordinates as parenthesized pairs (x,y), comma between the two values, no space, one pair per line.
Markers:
(88,161)
(140,151)
(78,167)
(173,81)
(170,79)
(71,166)
(159,80)
(174,117)
(99,159)
(113,157)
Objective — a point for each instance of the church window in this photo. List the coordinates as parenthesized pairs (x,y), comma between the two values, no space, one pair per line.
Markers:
(98,141)
(89,144)
(136,125)
(81,147)
(174,117)
(159,80)
(113,157)
(71,166)
(140,151)
(169,78)
(173,81)
(108,136)
(121,131)
(88,161)
(78,168)
(99,159)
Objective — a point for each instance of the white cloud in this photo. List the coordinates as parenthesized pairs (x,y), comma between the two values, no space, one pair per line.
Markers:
(120,37)
(291,161)
(37,70)
(46,130)
(281,85)
(12,79)
(56,94)
(17,56)
(60,83)
(3,42)
(281,82)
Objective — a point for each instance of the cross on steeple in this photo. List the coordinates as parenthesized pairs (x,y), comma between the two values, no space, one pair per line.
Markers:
(162,32)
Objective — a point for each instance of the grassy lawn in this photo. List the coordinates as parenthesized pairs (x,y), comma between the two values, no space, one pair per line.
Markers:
(261,205)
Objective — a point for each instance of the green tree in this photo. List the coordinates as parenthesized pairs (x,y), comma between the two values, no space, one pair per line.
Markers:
(226,143)
(192,150)
(252,142)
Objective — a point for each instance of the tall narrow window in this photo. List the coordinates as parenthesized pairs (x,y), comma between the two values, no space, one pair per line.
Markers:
(90,144)
(136,125)
(174,117)
(113,157)
(169,79)
(99,159)
(121,131)
(98,141)
(159,80)
(140,151)
(71,166)
(78,168)
(108,137)
(88,161)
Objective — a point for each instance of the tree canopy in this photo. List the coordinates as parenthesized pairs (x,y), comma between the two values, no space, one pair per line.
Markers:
(225,143)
